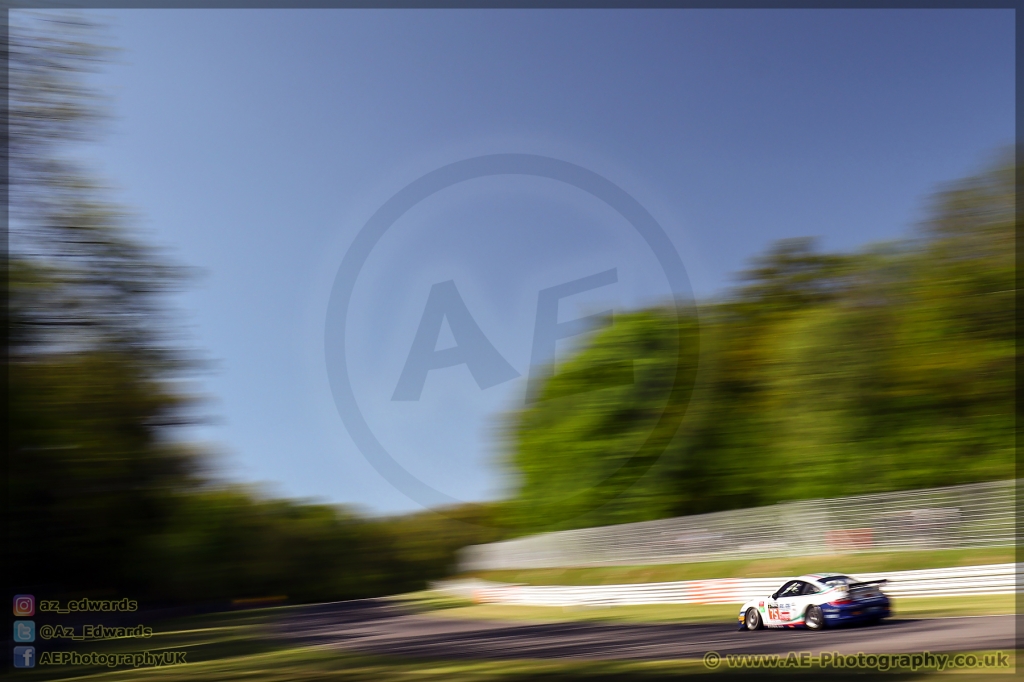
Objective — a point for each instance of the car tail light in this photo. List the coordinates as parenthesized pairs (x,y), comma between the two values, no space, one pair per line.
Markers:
(841,601)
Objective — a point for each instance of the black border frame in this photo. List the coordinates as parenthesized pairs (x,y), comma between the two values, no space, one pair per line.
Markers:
(7,6)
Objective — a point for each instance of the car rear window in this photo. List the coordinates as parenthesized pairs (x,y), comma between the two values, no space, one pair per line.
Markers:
(834,580)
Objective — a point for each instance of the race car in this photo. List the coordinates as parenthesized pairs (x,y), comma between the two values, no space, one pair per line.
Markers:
(816,602)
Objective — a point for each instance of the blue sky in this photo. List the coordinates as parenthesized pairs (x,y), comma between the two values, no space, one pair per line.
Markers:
(256,144)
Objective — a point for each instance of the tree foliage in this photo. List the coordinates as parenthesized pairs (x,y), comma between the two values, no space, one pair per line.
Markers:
(821,375)
(105,494)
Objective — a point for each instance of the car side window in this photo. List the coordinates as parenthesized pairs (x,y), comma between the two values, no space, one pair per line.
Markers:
(784,589)
(810,589)
(792,589)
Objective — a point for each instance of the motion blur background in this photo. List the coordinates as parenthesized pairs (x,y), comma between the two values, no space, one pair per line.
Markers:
(878,358)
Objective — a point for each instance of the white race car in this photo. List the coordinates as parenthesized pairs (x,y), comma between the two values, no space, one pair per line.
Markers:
(817,601)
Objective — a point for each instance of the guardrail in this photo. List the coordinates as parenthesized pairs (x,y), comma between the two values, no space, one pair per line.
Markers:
(940,582)
(957,517)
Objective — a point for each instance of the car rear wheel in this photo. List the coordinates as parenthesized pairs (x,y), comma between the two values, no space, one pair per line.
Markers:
(752,620)
(814,619)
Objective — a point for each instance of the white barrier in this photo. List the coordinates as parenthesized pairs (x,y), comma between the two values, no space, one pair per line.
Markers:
(965,580)
(957,517)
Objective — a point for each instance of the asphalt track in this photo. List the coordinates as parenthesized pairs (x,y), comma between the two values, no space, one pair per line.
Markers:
(377,627)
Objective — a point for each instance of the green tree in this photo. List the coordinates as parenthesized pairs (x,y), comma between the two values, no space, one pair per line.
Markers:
(93,365)
(106,495)
(820,375)
(588,451)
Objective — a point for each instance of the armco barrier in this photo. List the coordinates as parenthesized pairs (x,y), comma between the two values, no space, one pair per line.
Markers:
(965,580)
(957,517)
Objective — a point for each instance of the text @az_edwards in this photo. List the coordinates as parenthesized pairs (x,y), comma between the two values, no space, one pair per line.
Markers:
(86,605)
(94,632)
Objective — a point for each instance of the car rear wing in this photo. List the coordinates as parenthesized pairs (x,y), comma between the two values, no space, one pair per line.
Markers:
(868,583)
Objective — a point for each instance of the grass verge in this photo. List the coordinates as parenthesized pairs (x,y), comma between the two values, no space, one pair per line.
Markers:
(926,607)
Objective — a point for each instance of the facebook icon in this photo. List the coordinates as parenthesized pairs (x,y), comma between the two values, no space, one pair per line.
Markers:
(24,657)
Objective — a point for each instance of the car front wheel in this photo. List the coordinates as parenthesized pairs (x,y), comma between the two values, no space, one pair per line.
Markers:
(814,619)
(752,620)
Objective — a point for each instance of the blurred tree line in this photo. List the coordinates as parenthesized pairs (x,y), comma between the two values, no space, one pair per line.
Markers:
(104,494)
(820,375)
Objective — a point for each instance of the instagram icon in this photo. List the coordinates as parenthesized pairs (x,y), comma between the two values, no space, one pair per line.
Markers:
(24,605)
